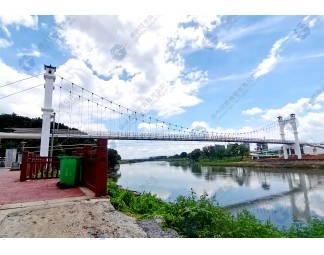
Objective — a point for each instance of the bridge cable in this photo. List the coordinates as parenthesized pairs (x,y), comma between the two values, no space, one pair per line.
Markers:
(20,80)
(260,131)
(21,91)
(104,98)
(59,115)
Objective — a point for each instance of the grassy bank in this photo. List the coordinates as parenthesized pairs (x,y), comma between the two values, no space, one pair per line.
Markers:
(199,217)
(239,162)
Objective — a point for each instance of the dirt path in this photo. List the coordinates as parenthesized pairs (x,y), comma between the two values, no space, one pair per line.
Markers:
(92,218)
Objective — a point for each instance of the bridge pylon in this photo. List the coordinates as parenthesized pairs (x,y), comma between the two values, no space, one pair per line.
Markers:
(47,110)
(292,122)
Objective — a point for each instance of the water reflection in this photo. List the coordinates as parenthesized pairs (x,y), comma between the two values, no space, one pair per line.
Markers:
(277,195)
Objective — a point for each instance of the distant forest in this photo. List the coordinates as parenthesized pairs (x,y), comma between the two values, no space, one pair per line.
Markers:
(9,121)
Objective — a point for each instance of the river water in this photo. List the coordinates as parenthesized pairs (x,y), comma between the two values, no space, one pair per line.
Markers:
(280,196)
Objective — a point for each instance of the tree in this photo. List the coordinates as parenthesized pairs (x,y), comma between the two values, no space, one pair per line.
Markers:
(220,153)
(235,150)
(209,151)
(183,155)
(113,158)
(195,154)
(243,150)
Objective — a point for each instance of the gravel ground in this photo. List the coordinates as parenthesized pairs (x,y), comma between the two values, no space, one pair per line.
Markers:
(153,229)
(92,218)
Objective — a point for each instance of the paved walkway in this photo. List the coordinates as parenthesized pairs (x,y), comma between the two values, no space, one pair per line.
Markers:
(13,191)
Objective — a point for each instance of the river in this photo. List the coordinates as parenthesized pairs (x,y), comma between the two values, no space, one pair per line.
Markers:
(280,196)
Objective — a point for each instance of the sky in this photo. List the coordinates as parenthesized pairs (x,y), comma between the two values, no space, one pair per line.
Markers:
(204,62)
(231,73)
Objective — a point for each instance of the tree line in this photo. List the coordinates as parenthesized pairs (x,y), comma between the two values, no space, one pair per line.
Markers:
(218,152)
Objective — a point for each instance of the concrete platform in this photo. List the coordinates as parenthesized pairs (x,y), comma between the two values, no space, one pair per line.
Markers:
(12,191)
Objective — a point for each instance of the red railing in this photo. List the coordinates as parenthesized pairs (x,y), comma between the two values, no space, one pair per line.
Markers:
(36,167)
(94,167)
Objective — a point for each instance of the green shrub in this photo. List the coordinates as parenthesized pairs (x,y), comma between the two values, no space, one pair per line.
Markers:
(200,217)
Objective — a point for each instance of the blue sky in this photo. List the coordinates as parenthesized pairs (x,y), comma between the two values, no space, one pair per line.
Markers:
(202,60)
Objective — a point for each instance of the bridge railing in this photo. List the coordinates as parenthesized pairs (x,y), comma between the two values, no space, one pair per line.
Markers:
(183,137)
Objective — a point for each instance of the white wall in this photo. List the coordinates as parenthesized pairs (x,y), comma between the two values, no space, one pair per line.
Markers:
(310,150)
(11,155)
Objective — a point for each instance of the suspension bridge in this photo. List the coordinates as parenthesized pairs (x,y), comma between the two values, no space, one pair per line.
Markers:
(90,115)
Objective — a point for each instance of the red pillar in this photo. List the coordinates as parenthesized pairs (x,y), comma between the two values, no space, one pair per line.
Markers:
(101,168)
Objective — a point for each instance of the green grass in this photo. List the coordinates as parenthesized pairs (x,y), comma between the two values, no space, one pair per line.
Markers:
(178,160)
(239,162)
(200,217)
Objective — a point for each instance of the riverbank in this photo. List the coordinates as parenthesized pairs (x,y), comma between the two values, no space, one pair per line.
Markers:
(200,217)
(272,163)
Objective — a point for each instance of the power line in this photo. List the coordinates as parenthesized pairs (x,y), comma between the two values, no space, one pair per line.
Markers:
(20,80)
(21,91)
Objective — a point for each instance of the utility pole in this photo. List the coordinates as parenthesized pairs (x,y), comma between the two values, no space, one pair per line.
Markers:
(47,110)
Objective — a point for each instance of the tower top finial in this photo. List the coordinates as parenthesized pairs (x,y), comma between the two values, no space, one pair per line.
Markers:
(49,67)
(49,72)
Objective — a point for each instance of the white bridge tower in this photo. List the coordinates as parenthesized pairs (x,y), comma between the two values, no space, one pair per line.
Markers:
(47,110)
(292,122)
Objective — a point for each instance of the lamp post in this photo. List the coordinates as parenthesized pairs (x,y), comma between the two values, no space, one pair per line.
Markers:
(23,146)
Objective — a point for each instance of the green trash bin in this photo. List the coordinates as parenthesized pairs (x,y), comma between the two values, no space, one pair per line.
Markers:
(70,170)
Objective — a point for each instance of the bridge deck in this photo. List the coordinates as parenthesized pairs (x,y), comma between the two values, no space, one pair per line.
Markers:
(156,137)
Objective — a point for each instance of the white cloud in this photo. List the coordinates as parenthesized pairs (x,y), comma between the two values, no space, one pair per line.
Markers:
(44,25)
(238,32)
(26,104)
(4,43)
(304,57)
(320,98)
(149,60)
(208,128)
(273,58)
(152,126)
(20,20)
(223,46)
(311,20)
(298,107)
(311,127)
(192,38)
(34,53)
(252,111)
(5,30)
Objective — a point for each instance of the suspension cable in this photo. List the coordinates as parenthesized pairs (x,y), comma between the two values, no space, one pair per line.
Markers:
(22,91)
(20,80)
